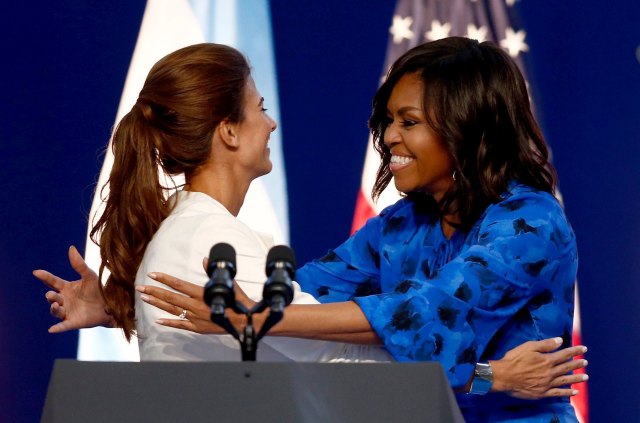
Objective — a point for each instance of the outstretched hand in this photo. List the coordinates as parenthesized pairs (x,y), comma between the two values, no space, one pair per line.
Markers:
(188,303)
(536,370)
(78,304)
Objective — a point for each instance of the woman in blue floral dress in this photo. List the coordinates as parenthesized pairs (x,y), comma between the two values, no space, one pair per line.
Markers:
(479,256)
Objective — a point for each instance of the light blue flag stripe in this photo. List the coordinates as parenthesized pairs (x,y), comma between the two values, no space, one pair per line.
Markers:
(246,25)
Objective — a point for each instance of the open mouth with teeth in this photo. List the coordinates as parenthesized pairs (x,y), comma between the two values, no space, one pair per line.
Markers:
(398,162)
(401,159)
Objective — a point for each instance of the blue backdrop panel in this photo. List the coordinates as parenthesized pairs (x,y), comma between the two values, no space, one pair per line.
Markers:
(64,65)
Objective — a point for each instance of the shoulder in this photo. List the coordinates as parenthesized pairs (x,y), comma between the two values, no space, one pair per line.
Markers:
(524,202)
(522,197)
(526,212)
(393,219)
(214,229)
(199,222)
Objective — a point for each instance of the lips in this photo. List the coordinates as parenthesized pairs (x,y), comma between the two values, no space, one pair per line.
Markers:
(399,162)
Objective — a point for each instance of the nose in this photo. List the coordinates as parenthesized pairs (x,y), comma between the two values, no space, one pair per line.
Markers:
(274,124)
(391,135)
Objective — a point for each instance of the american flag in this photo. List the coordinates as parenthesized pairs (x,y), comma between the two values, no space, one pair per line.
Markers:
(418,21)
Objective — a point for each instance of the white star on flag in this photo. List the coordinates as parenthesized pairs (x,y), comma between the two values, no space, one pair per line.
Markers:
(400,29)
(438,31)
(476,33)
(514,42)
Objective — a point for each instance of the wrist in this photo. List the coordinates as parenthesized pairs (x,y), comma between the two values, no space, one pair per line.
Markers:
(500,376)
(482,380)
(108,320)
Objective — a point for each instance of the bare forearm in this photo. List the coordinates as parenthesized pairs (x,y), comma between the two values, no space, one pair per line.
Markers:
(340,322)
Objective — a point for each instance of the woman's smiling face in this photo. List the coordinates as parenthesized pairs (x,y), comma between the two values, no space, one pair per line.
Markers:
(419,161)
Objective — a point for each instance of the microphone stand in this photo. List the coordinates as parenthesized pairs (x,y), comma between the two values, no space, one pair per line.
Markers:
(249,339)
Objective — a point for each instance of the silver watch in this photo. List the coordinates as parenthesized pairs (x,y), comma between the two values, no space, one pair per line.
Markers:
(482,379)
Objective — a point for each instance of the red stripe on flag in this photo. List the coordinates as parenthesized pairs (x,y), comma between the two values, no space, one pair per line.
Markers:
(363,212)
(580,401)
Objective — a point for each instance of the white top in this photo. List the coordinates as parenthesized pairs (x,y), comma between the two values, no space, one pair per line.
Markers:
(178,248)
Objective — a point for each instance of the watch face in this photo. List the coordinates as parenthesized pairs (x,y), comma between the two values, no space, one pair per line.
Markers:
(484,371)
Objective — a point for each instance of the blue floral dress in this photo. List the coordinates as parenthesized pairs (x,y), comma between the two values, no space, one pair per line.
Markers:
(470,298)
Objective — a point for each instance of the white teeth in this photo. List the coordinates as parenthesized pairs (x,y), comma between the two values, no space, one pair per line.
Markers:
(401,159)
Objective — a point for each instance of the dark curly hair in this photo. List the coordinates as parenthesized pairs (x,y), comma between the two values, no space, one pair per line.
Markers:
(476,100)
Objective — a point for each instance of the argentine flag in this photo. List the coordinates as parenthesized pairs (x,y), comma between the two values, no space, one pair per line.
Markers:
(168,25)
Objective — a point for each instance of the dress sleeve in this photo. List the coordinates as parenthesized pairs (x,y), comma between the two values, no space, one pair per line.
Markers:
(351,270)
(522,246)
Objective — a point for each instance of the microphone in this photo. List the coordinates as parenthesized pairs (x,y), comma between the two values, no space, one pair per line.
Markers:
(280,269)
(221,269)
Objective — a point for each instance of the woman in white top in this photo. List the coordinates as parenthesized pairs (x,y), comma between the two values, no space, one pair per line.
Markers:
(198,114)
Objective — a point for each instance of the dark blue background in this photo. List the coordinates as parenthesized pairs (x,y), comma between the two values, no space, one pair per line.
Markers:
(63,68)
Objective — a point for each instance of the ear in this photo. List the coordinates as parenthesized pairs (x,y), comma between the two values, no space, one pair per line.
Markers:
(228,133)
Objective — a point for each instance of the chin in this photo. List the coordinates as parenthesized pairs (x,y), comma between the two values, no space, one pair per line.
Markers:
(402,188)
(267,169)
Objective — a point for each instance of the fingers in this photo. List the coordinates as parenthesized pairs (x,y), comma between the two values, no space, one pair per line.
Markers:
(559,392)
(79,265)
(567,380)
(57,311)
(63,326)
(179,285)
(197,326)
(546,345)
(569,366)
(163,299)
(60,327)
(179,324)
(557,388)
(49,279)
(567,354)
(54,297)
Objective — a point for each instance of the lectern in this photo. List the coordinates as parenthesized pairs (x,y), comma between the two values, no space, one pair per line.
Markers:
(253,392)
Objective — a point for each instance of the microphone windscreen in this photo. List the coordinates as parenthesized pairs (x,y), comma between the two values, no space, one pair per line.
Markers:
(280,253)
(221,252)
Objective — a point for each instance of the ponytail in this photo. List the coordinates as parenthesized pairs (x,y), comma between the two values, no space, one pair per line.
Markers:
(133,212)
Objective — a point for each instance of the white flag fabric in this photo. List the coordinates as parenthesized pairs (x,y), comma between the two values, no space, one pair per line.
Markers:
(168,25)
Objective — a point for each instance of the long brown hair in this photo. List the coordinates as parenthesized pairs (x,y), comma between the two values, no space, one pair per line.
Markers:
(476,100)
(184,98)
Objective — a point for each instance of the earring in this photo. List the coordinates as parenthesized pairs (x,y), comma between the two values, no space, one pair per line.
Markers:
(455,175)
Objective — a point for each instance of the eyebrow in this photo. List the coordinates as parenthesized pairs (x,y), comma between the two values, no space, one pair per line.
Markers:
(406,109)
(261,101)
(409,109)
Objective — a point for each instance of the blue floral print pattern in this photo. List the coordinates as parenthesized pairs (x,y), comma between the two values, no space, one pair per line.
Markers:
(461,300)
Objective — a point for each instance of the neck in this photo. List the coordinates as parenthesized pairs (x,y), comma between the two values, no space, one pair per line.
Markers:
(449,224)
(221,185)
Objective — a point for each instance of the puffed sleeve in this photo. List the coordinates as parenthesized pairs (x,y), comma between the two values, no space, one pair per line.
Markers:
(523,246)
(352,269)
